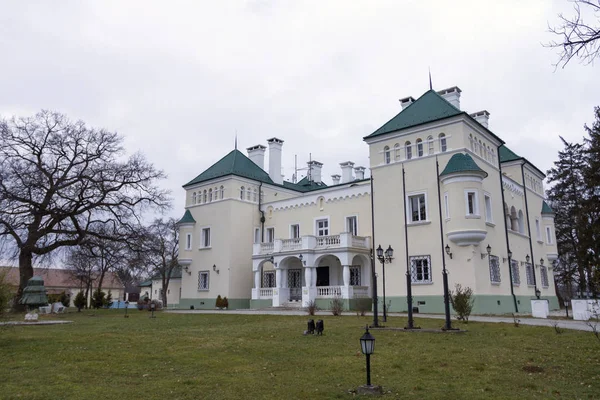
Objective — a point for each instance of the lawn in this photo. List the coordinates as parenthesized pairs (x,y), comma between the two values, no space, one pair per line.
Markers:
(105,356)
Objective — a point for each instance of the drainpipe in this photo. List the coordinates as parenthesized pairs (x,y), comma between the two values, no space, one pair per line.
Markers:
(262,214)
(512,288)
(373,276)
(528,227)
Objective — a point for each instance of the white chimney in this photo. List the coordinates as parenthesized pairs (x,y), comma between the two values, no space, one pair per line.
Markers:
(407,101)
(360,173)
(336,179)
(347,171)
(314,168)
(483,117)
(257,155)
(275,146)
(451,95)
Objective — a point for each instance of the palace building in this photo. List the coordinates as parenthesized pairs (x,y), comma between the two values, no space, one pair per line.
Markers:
(443,191)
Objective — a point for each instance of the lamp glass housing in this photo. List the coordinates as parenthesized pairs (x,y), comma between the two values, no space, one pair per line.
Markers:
(527,258)
(447,249)
(379,252)
(509,254)
(541,261)
(389,253)
(367,343)
(489,249)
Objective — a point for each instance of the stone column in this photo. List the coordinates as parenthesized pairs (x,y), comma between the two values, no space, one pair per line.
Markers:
(257,279)
(308,273)
(346,275)
(278,280)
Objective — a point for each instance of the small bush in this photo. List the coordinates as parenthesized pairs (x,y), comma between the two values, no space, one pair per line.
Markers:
(142,303)
(337,306)
(98,298)
(462,302)
(363,305)
(6,294)
(311,307)
(225,302)
(219,302)
(158,304)
(108,300)
(65,299)
(80,301)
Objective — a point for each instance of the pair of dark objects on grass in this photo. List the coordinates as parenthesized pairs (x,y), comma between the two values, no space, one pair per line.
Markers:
(315,329)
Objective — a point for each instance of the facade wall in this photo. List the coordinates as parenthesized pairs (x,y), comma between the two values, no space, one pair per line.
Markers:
(173,291)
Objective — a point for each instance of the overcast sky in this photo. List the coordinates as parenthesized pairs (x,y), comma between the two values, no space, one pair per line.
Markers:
(178,79)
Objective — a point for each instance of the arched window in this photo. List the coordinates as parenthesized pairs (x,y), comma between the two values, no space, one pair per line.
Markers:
(493,156)
(507,216)
(248,194)
(521,222)
(481,151)
(255,195)
(222,190)
(397,152)
(204,196)
(471,143)
(419,148)
(194,198)
(386,154)
(209,195)
(430,144)
(242,193)
(444,146)
(408,150)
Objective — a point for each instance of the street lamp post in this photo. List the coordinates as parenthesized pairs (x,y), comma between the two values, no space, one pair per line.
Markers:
(126,307)
(448,324)
(383,258)
(367,346)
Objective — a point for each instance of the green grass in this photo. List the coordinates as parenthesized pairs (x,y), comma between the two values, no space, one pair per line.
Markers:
(260,357)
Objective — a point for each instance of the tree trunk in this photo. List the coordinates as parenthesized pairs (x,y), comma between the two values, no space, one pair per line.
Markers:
(25,274)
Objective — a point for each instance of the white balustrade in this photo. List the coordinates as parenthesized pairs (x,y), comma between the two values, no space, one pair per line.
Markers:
(328,241)
(291,244)
(329,291)
(266,293)
(359,241)
(266,247)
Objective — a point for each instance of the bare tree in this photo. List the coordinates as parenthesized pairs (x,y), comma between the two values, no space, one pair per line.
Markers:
(578,38)
(158,251)
(62,182)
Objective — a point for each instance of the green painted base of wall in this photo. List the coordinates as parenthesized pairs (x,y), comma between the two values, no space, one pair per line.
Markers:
(209,304)
(262,303)
(348,304)
(484,304)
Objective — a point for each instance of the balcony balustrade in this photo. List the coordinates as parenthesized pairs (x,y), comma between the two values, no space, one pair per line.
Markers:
(310,242)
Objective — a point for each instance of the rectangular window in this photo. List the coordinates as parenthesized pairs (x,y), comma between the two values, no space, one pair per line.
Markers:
(494,269)
(294,231)
(188,241)
(270,235)
(548,235)
(516,278)
(322,226)
(544,274)
(417,208)
(355,276)
(538,231)
(205,237)
(446,206)
(472,207)
(256,235)
(488,208)
(203,280)
(352,225)
(529,273)
(420,269)
(268,280)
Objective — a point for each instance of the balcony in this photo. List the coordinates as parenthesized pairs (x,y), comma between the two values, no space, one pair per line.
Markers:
(310,242)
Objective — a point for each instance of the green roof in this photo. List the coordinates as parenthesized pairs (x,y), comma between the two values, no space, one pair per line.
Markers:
(507,154)
(427,108)
(234,163)
(460,162)
(175,273)
(546,208)
(187,218)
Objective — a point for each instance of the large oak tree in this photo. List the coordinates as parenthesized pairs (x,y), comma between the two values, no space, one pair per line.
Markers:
(62,182)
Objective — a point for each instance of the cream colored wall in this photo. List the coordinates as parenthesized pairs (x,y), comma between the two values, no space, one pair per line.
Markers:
(172,291)
(336,205)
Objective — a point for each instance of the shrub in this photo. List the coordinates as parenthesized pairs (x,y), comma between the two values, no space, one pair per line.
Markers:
(65,299)
(337,306)
(462,301)
(108,300)
(6,294)
(362,306)
(311,307)
(142,303)
(98,298)
(158,305)
(79,301)
(219,302)
(225,302)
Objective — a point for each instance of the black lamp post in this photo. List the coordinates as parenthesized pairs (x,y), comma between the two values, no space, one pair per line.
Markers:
(448,324)
(126,307)
(383,258)
(537,293)
(152,308)
(367,346)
